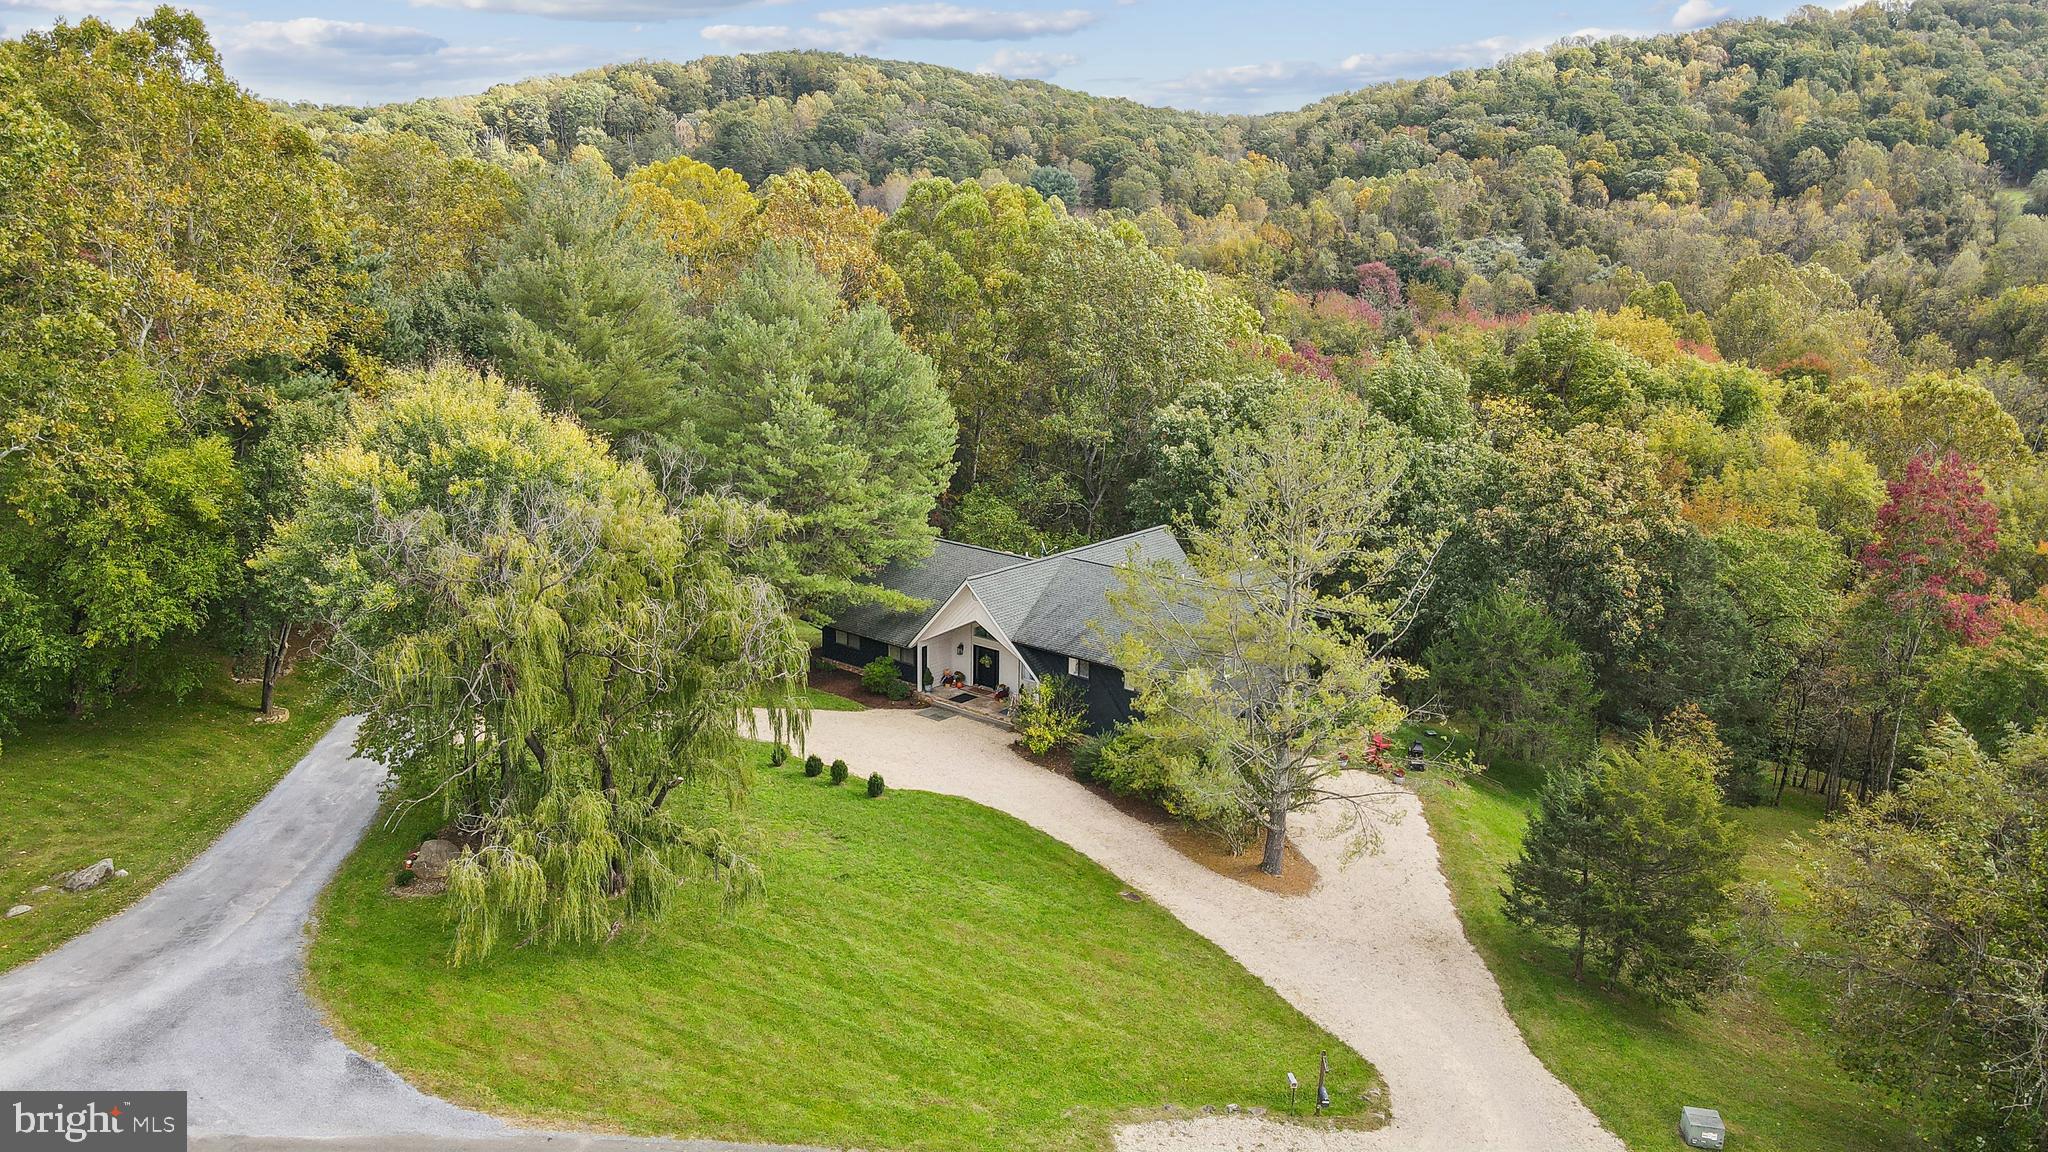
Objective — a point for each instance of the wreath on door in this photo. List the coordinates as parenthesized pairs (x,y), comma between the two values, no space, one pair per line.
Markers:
(985,660)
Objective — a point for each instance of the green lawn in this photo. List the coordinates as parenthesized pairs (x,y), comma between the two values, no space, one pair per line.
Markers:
(923,973)
(149,782)
(1757,1053)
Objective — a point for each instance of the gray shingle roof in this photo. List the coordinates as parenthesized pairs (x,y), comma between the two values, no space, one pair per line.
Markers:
(1049,602)
(1075,598)
(932,579)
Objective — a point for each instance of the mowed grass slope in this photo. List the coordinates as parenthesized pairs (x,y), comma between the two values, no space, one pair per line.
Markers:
(150,782)
(924,973)
(1757,1053)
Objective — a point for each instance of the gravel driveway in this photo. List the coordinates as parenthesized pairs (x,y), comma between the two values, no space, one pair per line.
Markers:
(1375,953)
(198,987)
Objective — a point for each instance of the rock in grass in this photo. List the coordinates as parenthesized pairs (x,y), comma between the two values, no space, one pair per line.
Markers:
(86,879)
(433,858)
(20,910)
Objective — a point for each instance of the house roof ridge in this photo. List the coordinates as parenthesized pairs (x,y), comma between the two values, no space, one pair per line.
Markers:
(1134,533)
(979,547)
(1022,562)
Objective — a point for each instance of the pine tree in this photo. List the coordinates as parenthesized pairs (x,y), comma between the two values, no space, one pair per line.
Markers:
(1508,666)
(588,312)
(1269,646)
(1630,861)
(1555,884)
(821,412)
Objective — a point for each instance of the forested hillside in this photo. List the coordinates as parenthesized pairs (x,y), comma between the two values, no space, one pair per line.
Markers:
(1703,381)
(1871,139)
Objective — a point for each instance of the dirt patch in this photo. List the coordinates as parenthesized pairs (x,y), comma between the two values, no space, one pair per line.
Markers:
(841,682)
(1297,877)
(416,889)
(1060,760)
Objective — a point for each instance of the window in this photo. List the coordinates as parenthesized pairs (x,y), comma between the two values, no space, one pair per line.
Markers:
(898,655)
(845,639)
(1077,668)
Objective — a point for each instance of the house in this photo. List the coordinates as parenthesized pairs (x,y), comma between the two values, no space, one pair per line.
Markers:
(1004,620)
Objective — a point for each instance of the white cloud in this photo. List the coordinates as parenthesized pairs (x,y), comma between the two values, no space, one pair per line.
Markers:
(952,22)
(311,36)
(311,58)
(1026,65)
(769,37)
(1296,77)
(1250,86)
(1695,13)
(866,29)
(649,11)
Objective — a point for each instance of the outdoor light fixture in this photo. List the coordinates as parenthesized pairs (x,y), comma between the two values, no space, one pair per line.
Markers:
(959,649)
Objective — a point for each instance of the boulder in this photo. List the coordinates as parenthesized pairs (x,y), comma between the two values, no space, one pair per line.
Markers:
(20,910)
(120,873)
(88,878)
(432,860)
(39,889)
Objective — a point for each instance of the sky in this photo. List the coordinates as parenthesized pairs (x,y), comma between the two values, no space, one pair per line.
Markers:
(1212,55)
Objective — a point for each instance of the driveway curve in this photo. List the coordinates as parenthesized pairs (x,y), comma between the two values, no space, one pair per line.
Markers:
(1375,953)
(198,987)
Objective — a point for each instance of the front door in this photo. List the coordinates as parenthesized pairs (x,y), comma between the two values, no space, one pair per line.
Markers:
(988,663)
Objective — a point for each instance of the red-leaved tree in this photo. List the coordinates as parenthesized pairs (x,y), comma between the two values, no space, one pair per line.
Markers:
(1926,567)
(1933,538)
(1379,285)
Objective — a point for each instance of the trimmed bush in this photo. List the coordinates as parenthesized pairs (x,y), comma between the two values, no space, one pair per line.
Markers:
(897,690)
(1048,715)
(1181,770)
(878,674)
(813,766)
(406,876)
(1088,757)
(778,756)
(874,784)
(839,772)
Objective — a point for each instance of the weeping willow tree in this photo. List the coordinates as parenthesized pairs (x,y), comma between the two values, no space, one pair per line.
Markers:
(546,647)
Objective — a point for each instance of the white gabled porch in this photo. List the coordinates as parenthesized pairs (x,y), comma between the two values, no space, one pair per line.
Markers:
(964,638)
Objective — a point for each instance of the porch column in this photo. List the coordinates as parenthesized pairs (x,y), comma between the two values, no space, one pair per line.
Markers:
(918,684)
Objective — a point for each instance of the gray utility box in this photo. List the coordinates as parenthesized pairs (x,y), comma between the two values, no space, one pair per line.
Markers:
(1702,1128)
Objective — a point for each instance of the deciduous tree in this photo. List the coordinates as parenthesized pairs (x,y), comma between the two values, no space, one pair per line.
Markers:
(1261,646)
(1926,582)
(1934,897)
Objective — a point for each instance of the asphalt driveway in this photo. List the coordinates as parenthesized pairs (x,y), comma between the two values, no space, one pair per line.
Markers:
(198,987)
